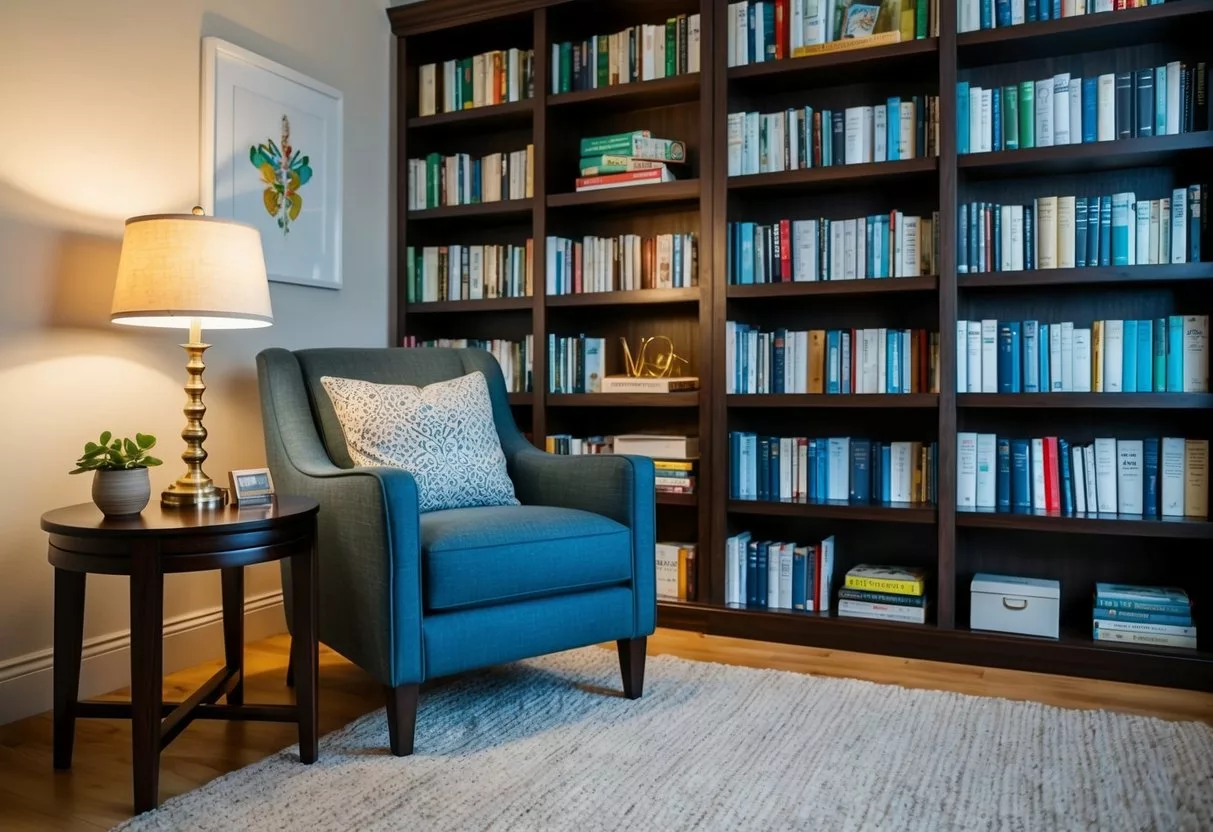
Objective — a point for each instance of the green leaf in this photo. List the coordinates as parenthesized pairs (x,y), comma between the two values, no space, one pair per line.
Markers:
(79,471)
(149,461)
(130,447)
(145,440)
(105,437)
(90,446)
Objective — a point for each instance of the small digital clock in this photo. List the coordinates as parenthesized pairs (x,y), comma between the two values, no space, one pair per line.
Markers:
(251,486)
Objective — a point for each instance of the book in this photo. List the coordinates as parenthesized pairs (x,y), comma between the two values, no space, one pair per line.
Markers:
(1196,478)
(622,180)
(883,612)
(891,579)
(657,446)
(1129,476)
(628,384)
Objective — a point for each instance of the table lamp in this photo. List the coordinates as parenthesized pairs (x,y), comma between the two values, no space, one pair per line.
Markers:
(191,271)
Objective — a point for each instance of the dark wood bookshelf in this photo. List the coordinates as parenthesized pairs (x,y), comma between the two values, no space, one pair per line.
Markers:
(950,543)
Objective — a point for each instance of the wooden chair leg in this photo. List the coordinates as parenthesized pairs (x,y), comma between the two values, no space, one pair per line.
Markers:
(631,665)
(401,718)
(290,665)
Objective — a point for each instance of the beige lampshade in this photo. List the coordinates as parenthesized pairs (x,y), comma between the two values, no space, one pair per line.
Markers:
(177,268)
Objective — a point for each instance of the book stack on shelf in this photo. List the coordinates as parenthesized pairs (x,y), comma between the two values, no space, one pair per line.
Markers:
(623,160)
(771,30)
(625,262)
(1148,478)
(856,361)
(1167,355)
(676,571)
(498,77)
(438,181)
(647,52)
(1143,615)
(800,469)
(778,575)
(884,593)
(674,457)
(973,15)
(515,357)
(1067,232)
(1156,101)
(800,251)
(461,272)
(803,138)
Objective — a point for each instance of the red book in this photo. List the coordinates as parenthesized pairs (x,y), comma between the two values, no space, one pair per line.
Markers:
(623,180)
(817,138)
(781,29)
(785,250)
(577,268)
(854,359)
(1052,489)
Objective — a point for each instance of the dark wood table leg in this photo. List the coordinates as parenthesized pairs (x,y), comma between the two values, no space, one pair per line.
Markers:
(233,628)
(69,639)
(304,649)
(147,634)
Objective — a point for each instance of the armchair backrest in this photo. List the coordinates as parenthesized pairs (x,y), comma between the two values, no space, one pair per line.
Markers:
(383,366)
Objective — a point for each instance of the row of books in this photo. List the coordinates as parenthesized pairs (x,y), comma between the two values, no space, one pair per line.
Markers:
(638,53)
(1150,615)
(778,575)
(496,77)
(771,30)
(973,15)
(877,246)
(1165,355)
(461,272)
(1067,232)
(676,571)
(884,593)
(438,180)
(799,469)
(621,263)
(801,138)
(847,361)
(1156,101)
(515,357)
(674,457)
(577,365)
(1144,477)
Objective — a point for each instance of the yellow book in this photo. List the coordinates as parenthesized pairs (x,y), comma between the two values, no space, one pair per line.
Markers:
(817,361)
(1097,357)
(530,171)
(673,465)
(893,579)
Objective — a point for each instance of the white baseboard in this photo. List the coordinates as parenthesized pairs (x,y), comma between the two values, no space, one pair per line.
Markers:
(26,681)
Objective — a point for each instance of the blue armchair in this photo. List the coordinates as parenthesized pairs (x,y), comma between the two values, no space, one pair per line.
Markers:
(409,596)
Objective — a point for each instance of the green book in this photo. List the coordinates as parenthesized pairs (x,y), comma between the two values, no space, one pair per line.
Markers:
(433,179)
(618,143)
(671,47)
(606,163)
(410,260)
(1027,114)
(466,71)
(566,67)
(921,19)
(1010,118)
(604,60)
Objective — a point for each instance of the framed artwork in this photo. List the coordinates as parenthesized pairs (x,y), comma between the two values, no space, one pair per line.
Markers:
(271,157)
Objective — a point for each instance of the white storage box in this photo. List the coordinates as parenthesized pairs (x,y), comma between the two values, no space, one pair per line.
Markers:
(1009,604)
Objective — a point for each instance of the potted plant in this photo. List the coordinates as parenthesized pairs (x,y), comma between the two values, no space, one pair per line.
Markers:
(121,485)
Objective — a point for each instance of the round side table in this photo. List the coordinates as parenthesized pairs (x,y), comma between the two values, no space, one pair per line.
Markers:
(147,547)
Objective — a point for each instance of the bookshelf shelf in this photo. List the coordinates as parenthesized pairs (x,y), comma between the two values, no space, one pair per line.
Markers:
(504,208)
(1081,158)
(1110,275)
(461,306)
(1088,401)
(834,287)
(521,399)
(681,190)
(665,498)
(1186,528)
(839,510)
(663,92)
(514,113)
(834,175)
(859,65)
(632,298)
(879,400)
(690,399)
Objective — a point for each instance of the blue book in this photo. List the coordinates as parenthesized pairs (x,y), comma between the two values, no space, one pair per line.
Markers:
(874,474)
(861,469)
(764,468)
(869,233)
(1090,113)
(1066,478)
(844,347)
(1160,355)
(747,253)
(1105,231)
(751,573)
(799,572)
(1179,607)
(1103,614)
(1145,356)
(986,19)
(833,361)
(823,469)
(1021,475)
(1042,378)
(768,30)
(994,246)
(1002,483)
(1194,221)
(893,129)
(1093,214)
(1149,495)
(1031,359)
(1158,595)
(892,363)
(962,117)
(812,461)
(764,564)
(1002,17)
(1175,354)
(734,465)
(886,269)
(996,106)
(1055,12)
(1046,9)
(974,234)
(1080,232)
(1160,101)
(1029,238)
(778,349)
(1031,15)
(962,239)
(1128,371)
(773,471)
(1120,229)
(886,473)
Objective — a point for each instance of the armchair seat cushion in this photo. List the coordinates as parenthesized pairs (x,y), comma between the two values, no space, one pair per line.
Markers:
(476,557)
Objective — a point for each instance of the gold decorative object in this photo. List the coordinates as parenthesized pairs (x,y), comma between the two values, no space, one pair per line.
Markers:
(661,365)
(191,271)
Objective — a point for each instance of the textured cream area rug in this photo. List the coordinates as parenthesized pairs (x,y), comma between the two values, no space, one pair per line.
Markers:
(549,744)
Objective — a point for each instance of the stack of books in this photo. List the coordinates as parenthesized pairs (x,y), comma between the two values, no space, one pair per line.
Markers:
(622,263)
(638,53)
(515,357)
(622,160)
(497,77)
(676,572)
(778,575)
(973,15)
(887,593)
(674,457)
(1153,615)
(462,272)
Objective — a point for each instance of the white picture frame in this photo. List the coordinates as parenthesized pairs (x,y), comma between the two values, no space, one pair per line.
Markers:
(253,109)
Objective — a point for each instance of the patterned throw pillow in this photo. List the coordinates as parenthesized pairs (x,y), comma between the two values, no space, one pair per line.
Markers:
(443,434)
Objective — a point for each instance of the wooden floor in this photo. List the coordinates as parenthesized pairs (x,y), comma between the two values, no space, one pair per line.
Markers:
(96,794)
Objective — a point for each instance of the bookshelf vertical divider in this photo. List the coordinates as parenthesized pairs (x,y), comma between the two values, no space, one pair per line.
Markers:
(539,224)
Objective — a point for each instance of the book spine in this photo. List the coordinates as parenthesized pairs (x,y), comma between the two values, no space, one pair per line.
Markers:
(891,586)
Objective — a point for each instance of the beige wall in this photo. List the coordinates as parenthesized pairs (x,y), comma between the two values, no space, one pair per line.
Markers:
(99,120)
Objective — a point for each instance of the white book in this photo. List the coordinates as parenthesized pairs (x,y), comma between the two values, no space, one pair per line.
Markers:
(1065,231)
(1067,356)
(966,470)
(428,95)
(736,143)
(792,132)
(1081,364)
(976,133)
(1017,238)
(849,252)
(1130,478)
(815,24)
(1171,476)
(1046,232)
(882,369)
(987,469)
(785,576)
(1196,478)
(1196,354)
(1075,111)
(1004,212)
(1061,108)
(989,356)
(1080,480)
(731,45)
(1044,113)
(753,151)
(854,136)
(1017,12)
(1055,375)
(1164,230)
(476,273)
(869,361)
(1174,110)
(906,148)
(800,371)
(962,356)
(880,138)
(1113,356)
(901,478)
(911,262)
(1105,475)
(1088,467)
(1141,230)
(861,248)
(1105,124)
(1153,236)
(1038,474)
(693,45)
(986,128)
(1179,225)
(837,249)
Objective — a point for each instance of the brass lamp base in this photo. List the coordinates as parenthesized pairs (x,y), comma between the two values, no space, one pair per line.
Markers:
(206,496)
(194,489)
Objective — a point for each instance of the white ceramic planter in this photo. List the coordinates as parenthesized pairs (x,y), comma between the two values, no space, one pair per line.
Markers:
(121,493)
